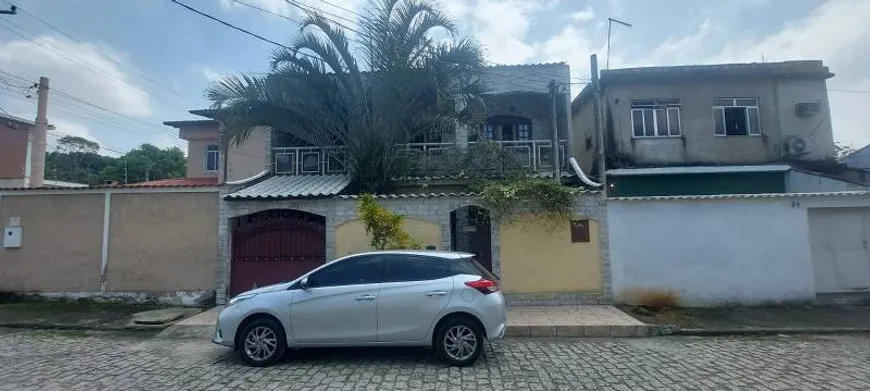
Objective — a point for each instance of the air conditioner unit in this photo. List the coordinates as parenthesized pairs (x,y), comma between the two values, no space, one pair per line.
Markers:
(794,146)
(807,109)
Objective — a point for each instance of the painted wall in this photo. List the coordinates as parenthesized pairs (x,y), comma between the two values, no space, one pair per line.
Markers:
(196,159)
(698,144)
(540,258)
(13,150)
(351,237)
(801,182)
(585,144)
(61,243)
(162,242)
(250,157)
(711,252)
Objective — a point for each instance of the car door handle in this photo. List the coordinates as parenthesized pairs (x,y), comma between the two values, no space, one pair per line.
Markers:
(436,293)
(365,298)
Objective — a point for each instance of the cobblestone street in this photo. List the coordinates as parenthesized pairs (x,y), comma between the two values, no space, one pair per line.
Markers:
(31,360)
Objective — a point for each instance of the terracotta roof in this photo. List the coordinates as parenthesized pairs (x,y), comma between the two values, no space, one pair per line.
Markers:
(176,182)
(292,186)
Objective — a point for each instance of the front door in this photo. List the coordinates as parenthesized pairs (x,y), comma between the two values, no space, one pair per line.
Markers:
(339,306)
(414,291)
(470,232)
(839,243)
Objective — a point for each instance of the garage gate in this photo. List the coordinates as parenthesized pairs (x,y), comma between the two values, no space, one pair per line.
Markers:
(275,246)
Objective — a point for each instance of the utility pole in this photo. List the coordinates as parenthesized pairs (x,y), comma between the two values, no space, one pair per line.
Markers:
(13,10)
(38,136)
(610,22)
(557,170)
(596,115)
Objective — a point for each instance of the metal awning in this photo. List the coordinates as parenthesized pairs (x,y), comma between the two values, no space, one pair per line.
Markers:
(292,186)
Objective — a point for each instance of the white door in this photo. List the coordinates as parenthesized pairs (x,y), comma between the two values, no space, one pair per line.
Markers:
(340,304)
(414,291)
(839,243)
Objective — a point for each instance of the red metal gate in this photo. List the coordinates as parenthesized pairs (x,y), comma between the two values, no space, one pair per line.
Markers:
(275,246)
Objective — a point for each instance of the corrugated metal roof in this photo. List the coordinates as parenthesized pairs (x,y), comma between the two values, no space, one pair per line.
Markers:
(424,195)
(698,170)
(292,186)
(734,196)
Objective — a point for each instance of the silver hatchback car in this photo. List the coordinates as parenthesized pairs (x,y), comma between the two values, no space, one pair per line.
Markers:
(445,300)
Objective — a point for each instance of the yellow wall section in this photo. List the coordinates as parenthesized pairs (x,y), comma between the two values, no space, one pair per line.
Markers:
(351,238)
(538,259)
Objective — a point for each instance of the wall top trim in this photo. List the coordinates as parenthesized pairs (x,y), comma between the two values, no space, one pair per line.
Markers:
(739,196)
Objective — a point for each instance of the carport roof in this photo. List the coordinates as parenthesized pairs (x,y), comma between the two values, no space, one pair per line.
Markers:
(292,186)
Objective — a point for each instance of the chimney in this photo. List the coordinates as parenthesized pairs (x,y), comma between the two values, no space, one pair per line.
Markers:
(38,136)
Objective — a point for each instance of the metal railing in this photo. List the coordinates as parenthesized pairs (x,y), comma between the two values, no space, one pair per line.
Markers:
(535,155)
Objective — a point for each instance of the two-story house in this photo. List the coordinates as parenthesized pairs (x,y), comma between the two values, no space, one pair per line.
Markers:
(286,206)
(709,129)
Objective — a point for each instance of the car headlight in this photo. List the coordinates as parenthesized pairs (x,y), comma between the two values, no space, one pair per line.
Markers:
(241,298)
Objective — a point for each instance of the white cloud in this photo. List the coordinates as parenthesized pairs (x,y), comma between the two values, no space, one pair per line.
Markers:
(502,26)
(582,16)
(76,68)
(837,33)
(573,46)
(211,74)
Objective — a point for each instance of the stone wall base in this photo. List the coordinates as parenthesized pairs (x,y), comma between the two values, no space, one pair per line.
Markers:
(518,299)
(177,298)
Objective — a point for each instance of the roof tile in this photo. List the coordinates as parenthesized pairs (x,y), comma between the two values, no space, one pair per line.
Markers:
(291,186)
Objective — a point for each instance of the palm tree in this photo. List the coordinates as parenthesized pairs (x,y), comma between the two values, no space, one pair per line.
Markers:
(317,91)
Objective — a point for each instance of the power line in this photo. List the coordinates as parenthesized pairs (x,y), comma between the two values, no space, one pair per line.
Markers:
(55,28)
(230,25)
(50,47)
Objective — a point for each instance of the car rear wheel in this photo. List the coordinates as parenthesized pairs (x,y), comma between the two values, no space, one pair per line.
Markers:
(459,341)
(262,343)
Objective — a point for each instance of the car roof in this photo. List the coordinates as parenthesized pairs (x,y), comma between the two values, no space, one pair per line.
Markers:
(429,253)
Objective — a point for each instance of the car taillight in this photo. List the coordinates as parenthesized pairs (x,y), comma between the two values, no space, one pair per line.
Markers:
(483,286)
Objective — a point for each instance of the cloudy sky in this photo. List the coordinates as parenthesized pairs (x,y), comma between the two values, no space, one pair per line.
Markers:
(119,68)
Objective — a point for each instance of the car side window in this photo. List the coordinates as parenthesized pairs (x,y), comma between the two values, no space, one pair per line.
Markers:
(363,269)
(402,267)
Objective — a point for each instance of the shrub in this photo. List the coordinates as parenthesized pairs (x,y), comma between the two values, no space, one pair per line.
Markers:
(384,227)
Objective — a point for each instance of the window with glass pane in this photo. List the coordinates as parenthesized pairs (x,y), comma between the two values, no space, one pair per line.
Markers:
(736,117)
(284,162)
(362,269)
(212,158)
(401,267)
(655,118)
(524,132)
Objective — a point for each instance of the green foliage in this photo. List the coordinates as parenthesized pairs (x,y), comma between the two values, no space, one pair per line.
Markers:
(384,227)
(79,163)
(482,160)
(544,200)
(397,85)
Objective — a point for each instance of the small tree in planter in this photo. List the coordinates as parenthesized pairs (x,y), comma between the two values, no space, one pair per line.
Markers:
(383,226)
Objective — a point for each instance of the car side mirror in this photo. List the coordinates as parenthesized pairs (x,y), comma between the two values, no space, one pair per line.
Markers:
(304,283)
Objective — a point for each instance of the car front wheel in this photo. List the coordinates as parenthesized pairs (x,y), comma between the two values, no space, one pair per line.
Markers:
(262,343)
(459,341)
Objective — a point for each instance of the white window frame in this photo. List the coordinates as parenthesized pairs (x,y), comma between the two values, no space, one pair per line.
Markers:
(668,108)
(209,151)
(750,131)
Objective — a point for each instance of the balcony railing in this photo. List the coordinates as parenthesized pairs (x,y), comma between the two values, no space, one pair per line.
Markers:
(535,155)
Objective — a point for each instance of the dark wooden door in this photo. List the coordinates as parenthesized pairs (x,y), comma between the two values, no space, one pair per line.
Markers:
(470,232)
(275,247)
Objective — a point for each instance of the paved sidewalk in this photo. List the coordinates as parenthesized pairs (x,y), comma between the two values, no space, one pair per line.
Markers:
(523,321)
(758,320)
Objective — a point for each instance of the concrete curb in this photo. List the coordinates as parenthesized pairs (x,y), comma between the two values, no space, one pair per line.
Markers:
(577,331)
(75,327)
(768,331)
